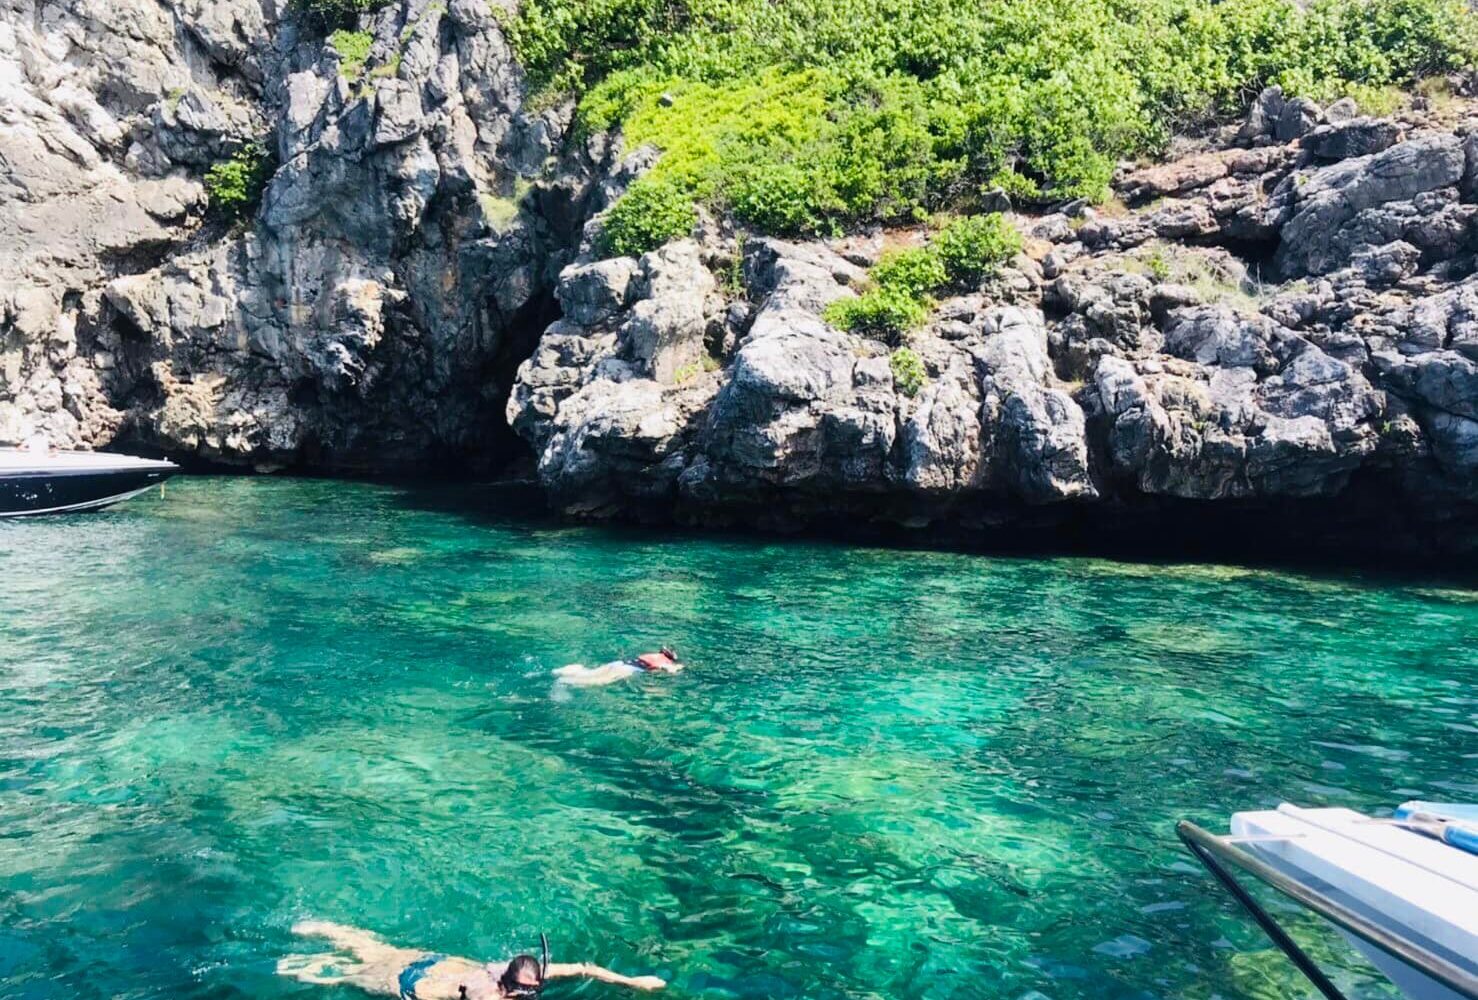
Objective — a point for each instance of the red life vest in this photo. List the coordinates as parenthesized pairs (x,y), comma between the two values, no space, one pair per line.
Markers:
(654,661)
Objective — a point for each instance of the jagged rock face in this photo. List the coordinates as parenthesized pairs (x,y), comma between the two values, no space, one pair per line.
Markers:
(370,314)
(1289,313)
(1407,192)
(1128,363)
(84,193)
(1228,406)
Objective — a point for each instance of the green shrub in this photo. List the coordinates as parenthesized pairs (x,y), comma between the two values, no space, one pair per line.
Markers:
(889,314)
(816,115)
(784,152)
(234,185)
(916,271)
(902,284)
(974,246)
(331,13)
(908,371)
(1017,187)
(353,48)
(898,299)
(649,214)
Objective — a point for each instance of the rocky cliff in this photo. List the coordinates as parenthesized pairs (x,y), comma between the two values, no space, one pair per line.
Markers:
(367,317)
(1283,322)
(1277,327)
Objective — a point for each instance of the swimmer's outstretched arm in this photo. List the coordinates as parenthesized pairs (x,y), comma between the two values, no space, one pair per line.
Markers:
(590,970)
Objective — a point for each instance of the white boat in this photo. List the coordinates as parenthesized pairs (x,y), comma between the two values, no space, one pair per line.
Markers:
(40,481)
(1404,890)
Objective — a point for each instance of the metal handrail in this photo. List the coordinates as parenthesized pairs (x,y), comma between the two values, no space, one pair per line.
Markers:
(1209,849)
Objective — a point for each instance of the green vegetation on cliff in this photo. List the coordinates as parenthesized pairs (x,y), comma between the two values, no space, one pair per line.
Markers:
(902,285)
(652,212)
(234,185)
(353,48)
(806,116)
(909,373)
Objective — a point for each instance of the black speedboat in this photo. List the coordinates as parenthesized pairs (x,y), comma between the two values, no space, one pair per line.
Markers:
(38,482)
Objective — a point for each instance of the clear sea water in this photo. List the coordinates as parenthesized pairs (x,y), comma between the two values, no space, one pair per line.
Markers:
(887,773)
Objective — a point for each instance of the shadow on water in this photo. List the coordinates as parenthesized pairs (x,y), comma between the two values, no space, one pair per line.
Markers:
(1308,538)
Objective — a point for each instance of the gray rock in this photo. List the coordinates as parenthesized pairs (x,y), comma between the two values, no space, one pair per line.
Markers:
(1264,114)
(1038,434)
(1343,110)
(398,113)
(941,440)
(1216,336)
(995,200)
(373,311)
(1470,168)
(1349,206)
(1381,267)
(664,331)
(1294,422)
(1352,137)
(355,325)
(1441,379)
(790,357)
(1454,442)
(592,293)
(1183,220)
(1298,118)
(192,129)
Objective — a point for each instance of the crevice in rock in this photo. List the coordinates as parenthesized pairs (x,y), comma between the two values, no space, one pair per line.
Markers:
(1255,255)
(520,339)
(142,257)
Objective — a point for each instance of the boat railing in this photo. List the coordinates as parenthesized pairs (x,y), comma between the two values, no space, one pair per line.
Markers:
(1216,852)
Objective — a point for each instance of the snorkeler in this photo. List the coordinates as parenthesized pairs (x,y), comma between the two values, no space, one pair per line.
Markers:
(365,960)
(664,661)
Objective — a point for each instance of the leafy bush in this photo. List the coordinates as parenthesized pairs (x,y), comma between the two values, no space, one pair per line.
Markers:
(889,314)
(814,115)
(908,371)
(972,247)
(1016,186)
(916,271)
(234,185)
(649,214)
(903,282)
(898,299)
(353,48)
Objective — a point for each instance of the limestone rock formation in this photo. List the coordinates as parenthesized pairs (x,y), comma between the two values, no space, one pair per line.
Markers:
(1283,317)
(1133,361)
(367,317)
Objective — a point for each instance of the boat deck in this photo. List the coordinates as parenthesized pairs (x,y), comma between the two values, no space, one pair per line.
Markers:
(15,461)
(1418,887)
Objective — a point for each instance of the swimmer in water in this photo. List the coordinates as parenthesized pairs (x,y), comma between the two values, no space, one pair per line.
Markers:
(365,960)
(664,661)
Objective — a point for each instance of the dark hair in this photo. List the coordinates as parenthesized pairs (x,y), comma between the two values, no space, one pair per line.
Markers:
(520,968)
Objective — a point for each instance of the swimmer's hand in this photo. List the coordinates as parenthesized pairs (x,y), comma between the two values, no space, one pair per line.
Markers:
(592,971)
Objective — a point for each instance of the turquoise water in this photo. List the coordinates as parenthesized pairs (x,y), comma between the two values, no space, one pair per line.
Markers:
(886,774)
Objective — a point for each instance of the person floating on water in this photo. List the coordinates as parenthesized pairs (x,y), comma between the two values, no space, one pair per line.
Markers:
(664,661)
(367,961)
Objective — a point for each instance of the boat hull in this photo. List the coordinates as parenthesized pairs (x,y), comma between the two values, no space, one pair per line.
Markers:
(24,494)
(1411,982)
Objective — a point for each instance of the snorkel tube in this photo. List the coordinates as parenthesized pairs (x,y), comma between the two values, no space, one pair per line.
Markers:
(543,956)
